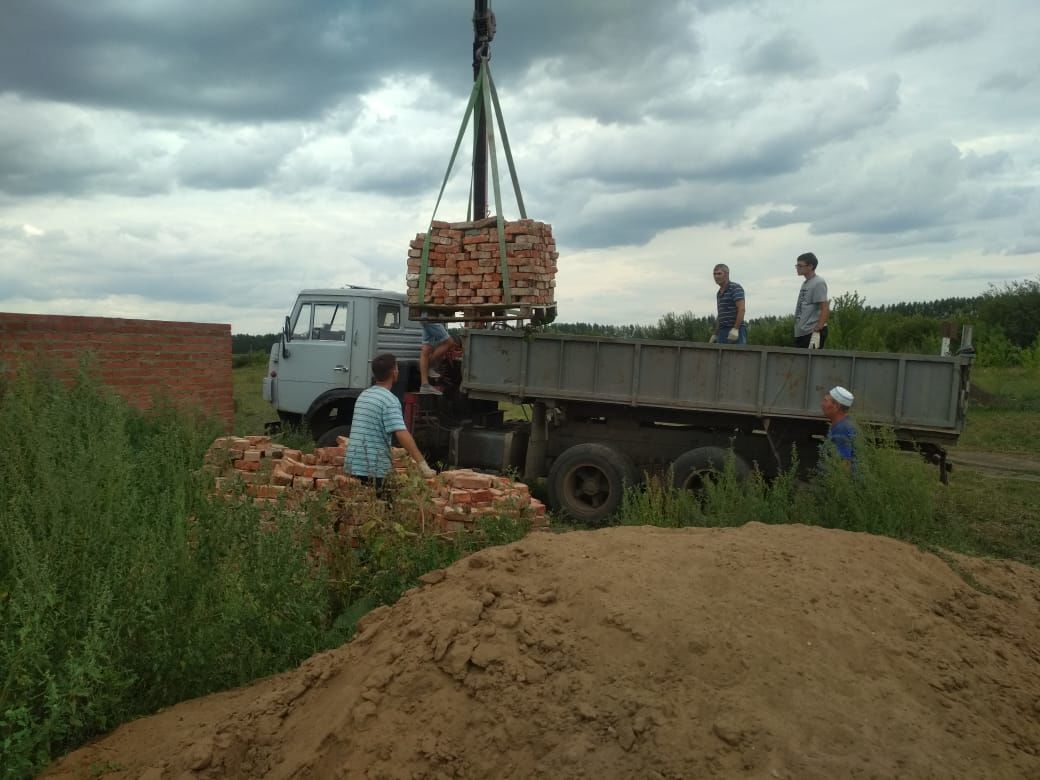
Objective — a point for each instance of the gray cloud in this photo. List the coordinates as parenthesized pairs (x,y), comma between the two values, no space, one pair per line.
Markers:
(267,60)
(1025,248)
(1008,81)
(781,54)
(202,158)
(934,187)
(232,158)
(939,30)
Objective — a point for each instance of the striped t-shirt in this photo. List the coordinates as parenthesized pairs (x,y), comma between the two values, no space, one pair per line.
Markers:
(377,415)
(727,302)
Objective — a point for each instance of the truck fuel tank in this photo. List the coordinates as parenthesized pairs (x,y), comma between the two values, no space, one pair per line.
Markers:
(499,449)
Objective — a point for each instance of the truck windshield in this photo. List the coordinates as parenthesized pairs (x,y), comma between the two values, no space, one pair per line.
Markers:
(321,322)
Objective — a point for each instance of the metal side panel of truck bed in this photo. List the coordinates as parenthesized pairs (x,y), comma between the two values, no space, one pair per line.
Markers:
(920,392)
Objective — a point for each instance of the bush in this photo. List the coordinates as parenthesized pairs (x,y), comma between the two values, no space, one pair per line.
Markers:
(1015,310)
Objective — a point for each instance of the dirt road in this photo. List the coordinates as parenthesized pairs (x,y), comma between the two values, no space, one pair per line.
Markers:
(998,464)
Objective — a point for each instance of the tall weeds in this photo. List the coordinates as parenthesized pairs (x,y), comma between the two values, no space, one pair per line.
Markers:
(125,585)
(889,492)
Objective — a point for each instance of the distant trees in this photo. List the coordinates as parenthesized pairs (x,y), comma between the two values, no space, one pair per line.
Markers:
(243,343)
(1006,320)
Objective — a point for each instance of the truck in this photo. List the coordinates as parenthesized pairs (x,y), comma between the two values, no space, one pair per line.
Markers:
(601,413)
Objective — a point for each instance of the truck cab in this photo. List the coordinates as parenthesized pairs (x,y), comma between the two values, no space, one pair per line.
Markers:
(322,361)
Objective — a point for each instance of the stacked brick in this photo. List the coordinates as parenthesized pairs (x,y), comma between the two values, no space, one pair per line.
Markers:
(465,269)
(272,472)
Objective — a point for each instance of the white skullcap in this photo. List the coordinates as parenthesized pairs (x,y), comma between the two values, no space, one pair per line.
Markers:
(842,396)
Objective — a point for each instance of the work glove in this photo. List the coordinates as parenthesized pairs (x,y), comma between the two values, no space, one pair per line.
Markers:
(814,341)
(713,338)
(734,334)
(425,470)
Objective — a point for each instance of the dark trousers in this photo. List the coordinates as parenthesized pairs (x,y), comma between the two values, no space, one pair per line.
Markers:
(381,485)
(803,341)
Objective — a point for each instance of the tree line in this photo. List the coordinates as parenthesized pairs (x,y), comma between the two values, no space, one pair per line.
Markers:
(1006,321)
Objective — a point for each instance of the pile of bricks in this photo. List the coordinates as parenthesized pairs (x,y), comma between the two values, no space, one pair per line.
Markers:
(271,472)
(464,266)
(462,496)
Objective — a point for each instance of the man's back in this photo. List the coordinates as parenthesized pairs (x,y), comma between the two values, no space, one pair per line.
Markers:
(377,415)
(843,434)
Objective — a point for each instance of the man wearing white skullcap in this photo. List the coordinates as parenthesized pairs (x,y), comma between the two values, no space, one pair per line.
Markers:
(842,433)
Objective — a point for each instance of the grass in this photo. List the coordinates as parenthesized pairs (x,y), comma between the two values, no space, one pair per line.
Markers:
(992,516)
(1001,430)
(1004,411)
(251,410)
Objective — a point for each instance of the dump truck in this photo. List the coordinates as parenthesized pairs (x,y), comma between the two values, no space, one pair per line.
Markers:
(603,412)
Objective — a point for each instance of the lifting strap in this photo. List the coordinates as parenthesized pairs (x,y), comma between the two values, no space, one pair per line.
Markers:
(484,91)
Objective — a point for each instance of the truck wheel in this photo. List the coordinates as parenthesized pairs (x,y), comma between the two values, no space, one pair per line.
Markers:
(588,480)
(693,468)
(328,439)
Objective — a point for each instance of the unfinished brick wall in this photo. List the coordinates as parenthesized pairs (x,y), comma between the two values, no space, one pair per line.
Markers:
(188,362)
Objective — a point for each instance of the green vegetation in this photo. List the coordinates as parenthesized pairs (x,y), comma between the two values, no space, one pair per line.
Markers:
(1006,322)
(888,493)
(892,493)
(126,585)
(251,410)
(1004,411)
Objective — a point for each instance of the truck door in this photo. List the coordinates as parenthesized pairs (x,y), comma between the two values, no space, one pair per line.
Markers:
(319,354)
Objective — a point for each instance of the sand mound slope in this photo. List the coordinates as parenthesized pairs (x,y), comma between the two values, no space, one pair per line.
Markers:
(787,652)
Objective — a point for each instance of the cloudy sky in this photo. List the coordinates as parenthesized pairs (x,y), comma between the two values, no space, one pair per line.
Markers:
(203,161)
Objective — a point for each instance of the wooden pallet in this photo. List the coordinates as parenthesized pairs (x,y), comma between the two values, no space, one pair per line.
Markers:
(483,313)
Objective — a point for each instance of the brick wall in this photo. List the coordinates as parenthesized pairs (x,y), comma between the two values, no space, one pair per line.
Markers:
(189,362)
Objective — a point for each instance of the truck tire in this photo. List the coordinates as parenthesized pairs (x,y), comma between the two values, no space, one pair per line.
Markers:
(691,469)
(328,439)
(587,481)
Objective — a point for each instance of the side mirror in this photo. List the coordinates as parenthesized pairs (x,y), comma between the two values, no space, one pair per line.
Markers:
(286,337)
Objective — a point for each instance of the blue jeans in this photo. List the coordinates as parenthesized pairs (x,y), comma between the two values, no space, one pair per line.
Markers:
(433,333)
(722,334)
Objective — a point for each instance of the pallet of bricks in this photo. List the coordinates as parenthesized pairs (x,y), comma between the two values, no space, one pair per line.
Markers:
(270,472)
(464,278)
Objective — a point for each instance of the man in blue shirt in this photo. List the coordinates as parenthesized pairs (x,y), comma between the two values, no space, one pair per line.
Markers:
(842,433)
(729,327)
(378,417)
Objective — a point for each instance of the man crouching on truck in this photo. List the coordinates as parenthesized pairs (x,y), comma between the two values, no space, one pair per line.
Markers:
(377,417)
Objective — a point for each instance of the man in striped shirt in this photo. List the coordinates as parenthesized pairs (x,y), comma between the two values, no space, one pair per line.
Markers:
(729,327)
(377,417)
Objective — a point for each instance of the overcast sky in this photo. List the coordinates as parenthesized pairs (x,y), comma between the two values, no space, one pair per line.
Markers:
(204,161)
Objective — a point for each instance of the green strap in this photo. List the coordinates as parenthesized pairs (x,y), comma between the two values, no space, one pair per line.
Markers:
(424,263)
(483,89)
(507,297)
(505,147)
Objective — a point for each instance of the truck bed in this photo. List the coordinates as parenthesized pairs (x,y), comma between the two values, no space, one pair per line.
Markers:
(923,395)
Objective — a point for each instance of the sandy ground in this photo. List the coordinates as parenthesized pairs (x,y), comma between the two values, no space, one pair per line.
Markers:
(766,652)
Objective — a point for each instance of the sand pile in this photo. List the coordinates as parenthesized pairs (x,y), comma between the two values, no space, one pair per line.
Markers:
(773,652)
